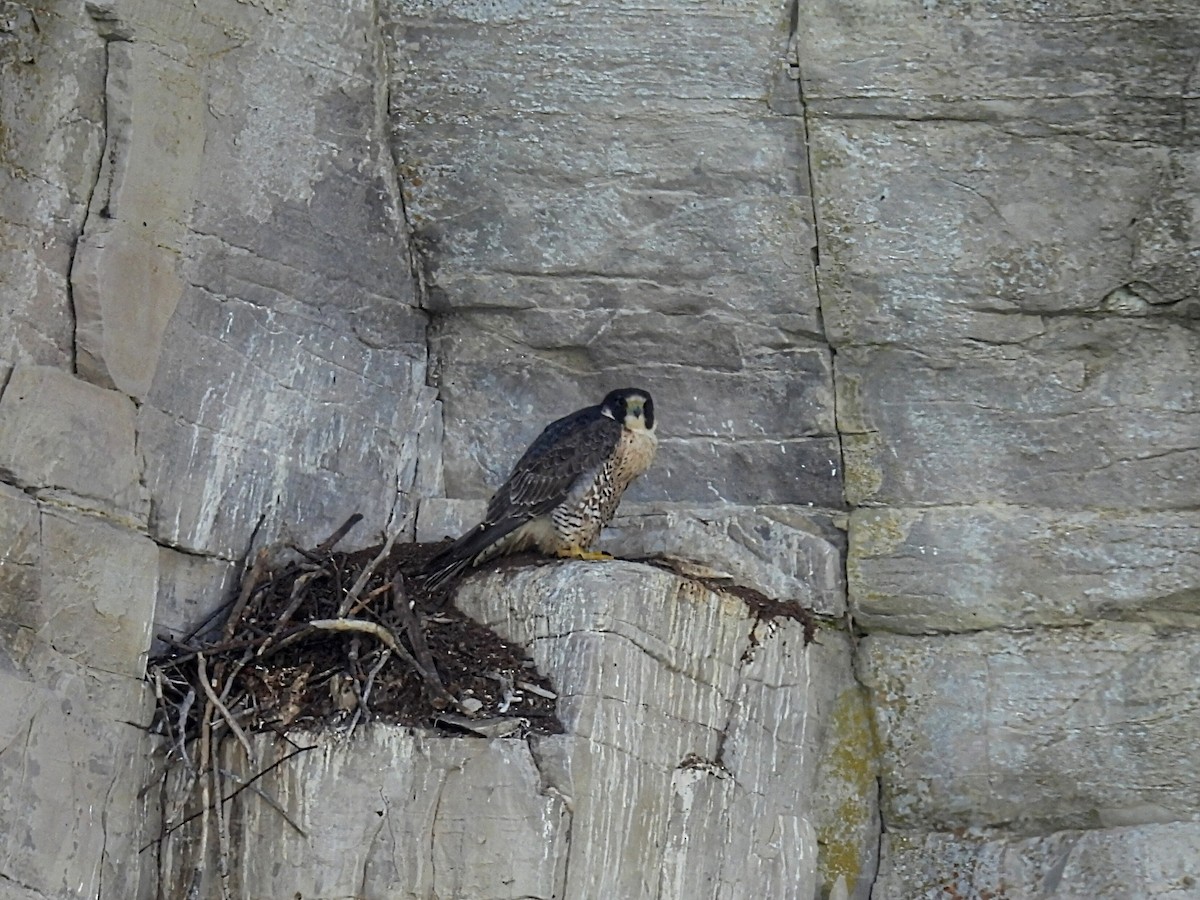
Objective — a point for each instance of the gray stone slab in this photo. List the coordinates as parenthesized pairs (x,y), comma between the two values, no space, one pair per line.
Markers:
(970,568)
(126,278)
(1144,861)
(99,584)
(655,246)
(53,113)
(600,170)
(11,891)
(640,46)
(898,267)
(1081,66)
(20,554)
(1094,414)
(391,813)
(845,800)
(776,374)
(59,434)
(766,855)
(70,778)
(264,410)
(1035,732)
(784,552)
(190,589)
(438,518)
(270,328)
(304,179)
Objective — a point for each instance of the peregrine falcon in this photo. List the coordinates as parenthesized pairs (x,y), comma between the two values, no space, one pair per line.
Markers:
(565,488)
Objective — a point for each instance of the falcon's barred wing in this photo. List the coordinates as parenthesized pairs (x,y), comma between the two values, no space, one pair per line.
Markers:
(574,446)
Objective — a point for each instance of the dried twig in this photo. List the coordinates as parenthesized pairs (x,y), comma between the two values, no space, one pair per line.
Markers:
(204,623)
(177,739)
(383,658)
(231,678)
(299,592)
(215,701)
(412,627)
(262,562)
(213,650)
(265,798)
(366,574)
(366,601)
(361,625)
(323,548)
(202,813)
(205,800)
(222,826)
(363,709)
(389,640)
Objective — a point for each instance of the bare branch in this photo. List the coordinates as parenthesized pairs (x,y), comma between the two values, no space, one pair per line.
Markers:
(330,542)
(262,562)
(366,574)
(215,701)
(412,627)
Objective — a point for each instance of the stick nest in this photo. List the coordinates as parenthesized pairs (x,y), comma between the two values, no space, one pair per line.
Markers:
(323,639)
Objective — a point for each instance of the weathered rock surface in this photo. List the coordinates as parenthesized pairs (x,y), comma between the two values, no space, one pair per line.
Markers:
(71,773)
(965,568)
(55,428)
(1081,415)
(208,335)
(126,279)
(1145,861)
(670,691)
(1036,732)
(1008,275)
(76,594)
(295,351)
(954,244)
(188,584)
(710,727)
(53,136)
(614,204)
(98,588)
(391,813)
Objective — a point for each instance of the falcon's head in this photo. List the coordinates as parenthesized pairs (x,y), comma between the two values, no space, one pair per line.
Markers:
(632,407)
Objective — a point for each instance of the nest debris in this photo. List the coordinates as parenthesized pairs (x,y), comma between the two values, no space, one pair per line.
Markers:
(323,639)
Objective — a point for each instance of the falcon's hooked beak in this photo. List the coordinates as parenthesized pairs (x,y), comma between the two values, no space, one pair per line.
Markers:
(639,414)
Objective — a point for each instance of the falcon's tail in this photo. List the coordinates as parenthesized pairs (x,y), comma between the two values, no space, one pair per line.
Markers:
(438,571)
(465,552)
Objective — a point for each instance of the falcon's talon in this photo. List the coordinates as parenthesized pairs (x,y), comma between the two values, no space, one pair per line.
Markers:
(580,553)
(564,489)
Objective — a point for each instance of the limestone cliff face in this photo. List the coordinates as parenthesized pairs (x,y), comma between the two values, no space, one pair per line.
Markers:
(916,288)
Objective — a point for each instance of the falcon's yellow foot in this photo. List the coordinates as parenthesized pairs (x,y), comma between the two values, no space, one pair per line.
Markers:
(574,552)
